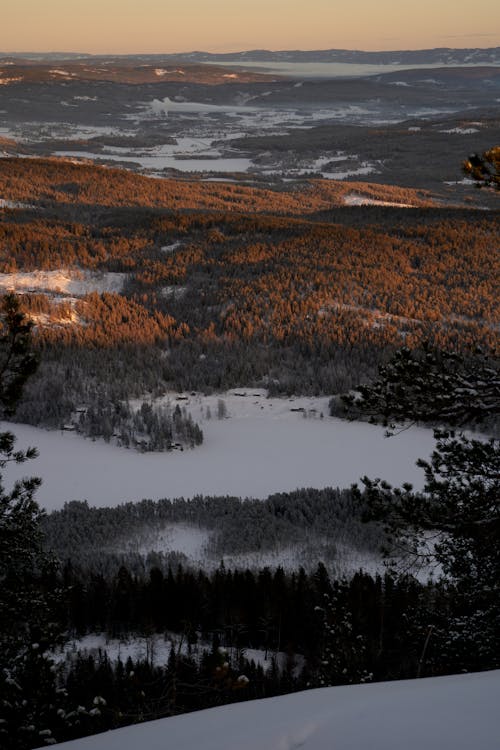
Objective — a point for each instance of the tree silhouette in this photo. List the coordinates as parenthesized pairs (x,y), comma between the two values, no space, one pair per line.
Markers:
(484,169)
(32,708)
(431,386)
(455,521)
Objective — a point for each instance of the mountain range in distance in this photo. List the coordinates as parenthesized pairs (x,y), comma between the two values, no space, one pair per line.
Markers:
(437,56)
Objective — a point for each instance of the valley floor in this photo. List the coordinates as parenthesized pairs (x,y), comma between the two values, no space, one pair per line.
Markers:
(259,447)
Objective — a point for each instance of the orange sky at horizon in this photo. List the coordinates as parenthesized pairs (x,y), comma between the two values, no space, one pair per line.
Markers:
(164,26)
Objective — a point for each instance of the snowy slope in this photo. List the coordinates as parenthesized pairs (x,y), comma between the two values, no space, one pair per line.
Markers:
(443,713)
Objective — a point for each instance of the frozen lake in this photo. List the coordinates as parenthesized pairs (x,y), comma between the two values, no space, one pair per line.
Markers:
(260,448)
(330,69)
(159,161)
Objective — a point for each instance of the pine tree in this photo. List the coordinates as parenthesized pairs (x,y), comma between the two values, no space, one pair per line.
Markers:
(342,650)
(455,521)
(17,360)
(31,704)
(484,169)
(431,386)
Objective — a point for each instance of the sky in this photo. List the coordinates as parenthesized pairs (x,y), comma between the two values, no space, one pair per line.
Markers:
(166,26)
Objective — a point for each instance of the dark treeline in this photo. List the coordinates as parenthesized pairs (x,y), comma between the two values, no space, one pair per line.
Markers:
(268,610)
(332,632)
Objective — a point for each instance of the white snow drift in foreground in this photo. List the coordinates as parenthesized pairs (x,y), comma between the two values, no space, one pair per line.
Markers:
(260,448)
(75,283)
(440,713)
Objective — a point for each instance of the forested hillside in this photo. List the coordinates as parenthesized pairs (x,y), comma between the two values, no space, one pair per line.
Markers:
(207,286)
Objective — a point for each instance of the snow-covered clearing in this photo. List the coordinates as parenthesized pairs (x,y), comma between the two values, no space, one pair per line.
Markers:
(167,105)
(172,247)
(262,446)
(440,713)
(464,181)
(361,200)
(460,131)
(179,537)
(14,204)
(65,281)
(156,647)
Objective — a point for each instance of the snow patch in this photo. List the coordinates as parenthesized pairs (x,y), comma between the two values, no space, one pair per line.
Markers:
(156,648)
(460,131)
(464,181)
(176,537)
(361,200)
(14,204)
(58,72)
(77,283)
(171,248)
(167,105)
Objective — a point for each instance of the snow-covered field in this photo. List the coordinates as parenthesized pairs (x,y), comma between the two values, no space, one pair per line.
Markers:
(262,446)
(441,713)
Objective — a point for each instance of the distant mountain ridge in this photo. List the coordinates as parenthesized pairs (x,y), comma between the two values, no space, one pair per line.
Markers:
(439,56)
(444,56)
